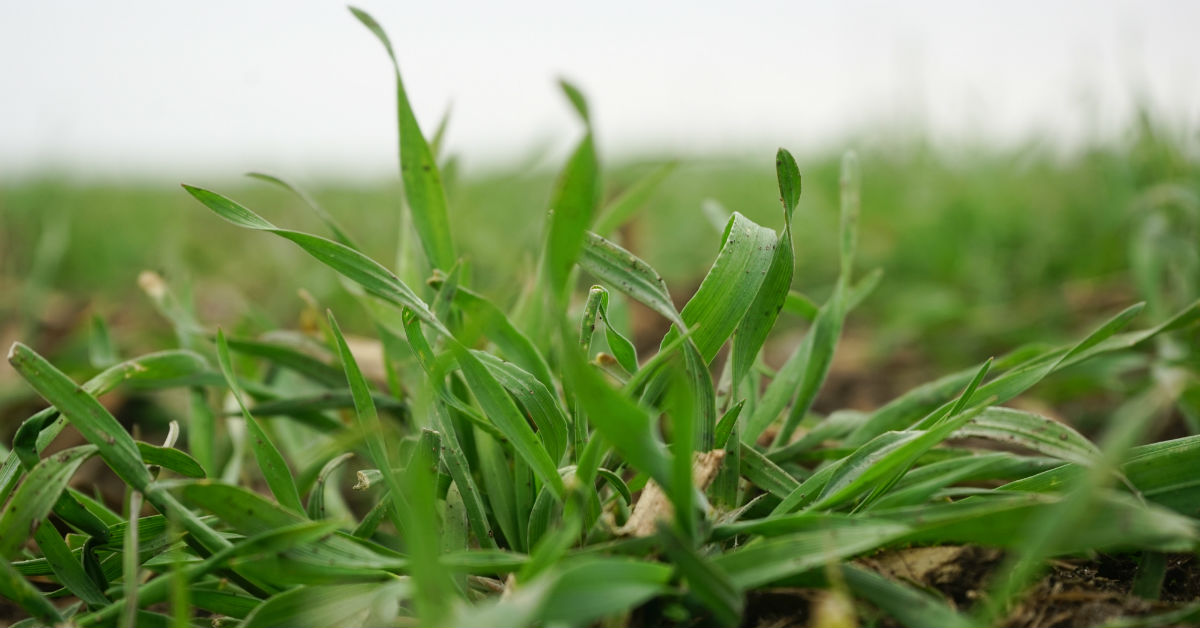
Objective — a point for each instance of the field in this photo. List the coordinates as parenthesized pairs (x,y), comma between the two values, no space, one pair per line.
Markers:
(904,385)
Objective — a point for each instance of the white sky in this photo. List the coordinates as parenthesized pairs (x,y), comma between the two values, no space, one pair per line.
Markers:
(178,87)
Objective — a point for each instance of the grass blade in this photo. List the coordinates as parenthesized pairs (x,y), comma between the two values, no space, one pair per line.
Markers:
(21,591)
(353,265)
(731,285)
(272,463)
(708,582)
(37,495)
(332,606)
(115,445)
(418,168)
(312,204)
(575,198)
(622,422)
(1032,431)
(503,412)
(629,274)
(585,590)
(769,560)
(538,403)
(913,608)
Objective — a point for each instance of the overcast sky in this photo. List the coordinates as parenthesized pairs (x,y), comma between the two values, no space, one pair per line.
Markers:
(299,87)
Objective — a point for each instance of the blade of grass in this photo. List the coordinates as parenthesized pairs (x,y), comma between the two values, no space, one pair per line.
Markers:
(625,271)
(539,404)
(586,590)
(353,265)
(769,560)
(706,581)
(312,204)
(67,567)
(1032,431)
(272,463)
(130,565)
(85,413)
(503,412)
(21,591)
(622,422)
(418,168)
(499,329)
(572,205)
(36,496)
(752,331)
(731,285)
(912,607)
(349,605)
(368,419)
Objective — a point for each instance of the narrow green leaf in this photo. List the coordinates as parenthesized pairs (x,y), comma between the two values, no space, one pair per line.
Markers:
(878,464)
(306,409)
(21,591)
(273,541)
(731,285)
(538,403)
(922,483)
(99,427)
(251,514)
(272,464)
(353,265)
(315,506)
(629,274)
(460,470)
(706,580)
(1033,431)
(617,483)
(800,305)
(513,344)
(312,204)
(801,375)
(170,458)
(368,419)
(292,356)
(621,347)
(577,99)
(761,563)
(623,423)
(418,168)
(1025,374)
(575,198)
(787,173)
(36,496)
(331,606)
(764,474)
(503,412)
(498,488)
(725,425)
(434,589)
(130,566)
(102,353)
(760,318)
(585,590)
(912,607)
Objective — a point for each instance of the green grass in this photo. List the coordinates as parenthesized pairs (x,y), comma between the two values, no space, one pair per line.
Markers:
(519,463)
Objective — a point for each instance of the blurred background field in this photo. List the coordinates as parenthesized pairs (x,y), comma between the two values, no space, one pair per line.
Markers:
(982,248)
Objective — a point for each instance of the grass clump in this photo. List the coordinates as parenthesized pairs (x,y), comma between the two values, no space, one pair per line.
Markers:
(525,466)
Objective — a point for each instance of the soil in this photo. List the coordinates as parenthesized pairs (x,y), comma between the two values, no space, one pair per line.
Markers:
(1079,592)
